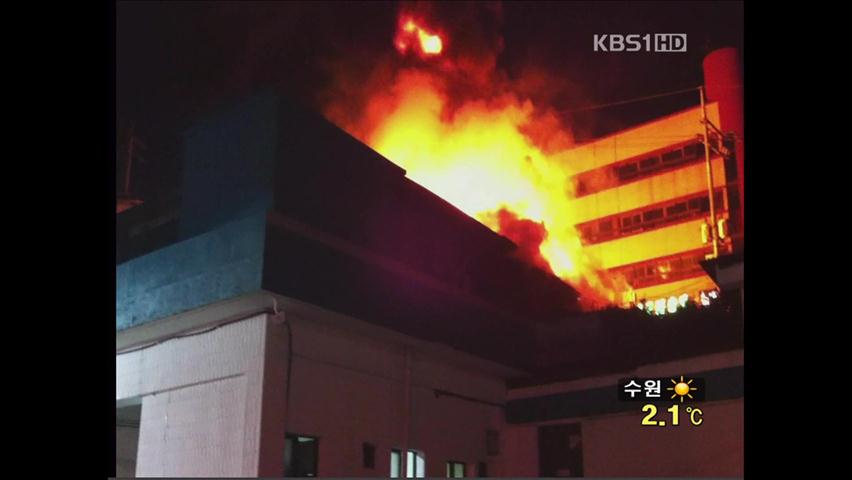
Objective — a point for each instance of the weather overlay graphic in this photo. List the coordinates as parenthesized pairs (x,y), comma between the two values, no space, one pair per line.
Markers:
(680,391)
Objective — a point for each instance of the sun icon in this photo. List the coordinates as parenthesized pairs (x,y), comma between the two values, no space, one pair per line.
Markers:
(681,389)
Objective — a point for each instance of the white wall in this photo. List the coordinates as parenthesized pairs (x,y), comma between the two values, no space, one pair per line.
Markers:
(349,388)
(213,404)
(201,398)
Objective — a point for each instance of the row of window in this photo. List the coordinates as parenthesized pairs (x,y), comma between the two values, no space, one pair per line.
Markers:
(651,164)
(301,460)
(627,171)
(663,270)
(416,466)
(647,218)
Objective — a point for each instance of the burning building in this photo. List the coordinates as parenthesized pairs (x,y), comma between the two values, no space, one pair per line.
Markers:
(303,269)
(643,206)
(306,309)
(411,298)
(624,219)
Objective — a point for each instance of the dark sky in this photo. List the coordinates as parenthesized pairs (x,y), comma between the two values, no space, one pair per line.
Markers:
(176,59)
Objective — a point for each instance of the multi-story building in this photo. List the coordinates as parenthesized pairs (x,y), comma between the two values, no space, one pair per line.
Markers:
(304,309)
(302,294)
(642,203)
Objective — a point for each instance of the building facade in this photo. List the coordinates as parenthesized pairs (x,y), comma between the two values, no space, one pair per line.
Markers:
(643,207)
(303,294)
(303,309)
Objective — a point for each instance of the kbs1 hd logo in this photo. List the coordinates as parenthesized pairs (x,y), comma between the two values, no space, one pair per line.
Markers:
(658,42)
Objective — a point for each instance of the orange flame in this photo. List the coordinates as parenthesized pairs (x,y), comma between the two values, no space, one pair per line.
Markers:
(410,33)
(479,155)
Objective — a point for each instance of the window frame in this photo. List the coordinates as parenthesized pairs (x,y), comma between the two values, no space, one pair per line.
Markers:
(453,463)
(399,463)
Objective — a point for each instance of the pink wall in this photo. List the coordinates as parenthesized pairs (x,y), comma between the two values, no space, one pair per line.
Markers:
(619,446)
(349,389)
(213,404)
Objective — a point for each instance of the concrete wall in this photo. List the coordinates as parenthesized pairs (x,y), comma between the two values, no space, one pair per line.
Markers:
(617,445)
(349,389)
(201,398)
(213,404)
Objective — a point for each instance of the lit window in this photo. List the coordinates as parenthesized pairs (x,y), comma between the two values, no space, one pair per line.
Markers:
(671,304)
(415,465)
(396,463)
(455,469)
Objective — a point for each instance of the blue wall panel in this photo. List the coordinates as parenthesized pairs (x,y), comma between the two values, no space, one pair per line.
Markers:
(207,268)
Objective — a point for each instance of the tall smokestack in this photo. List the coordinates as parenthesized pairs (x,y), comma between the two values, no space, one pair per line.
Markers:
(724,82)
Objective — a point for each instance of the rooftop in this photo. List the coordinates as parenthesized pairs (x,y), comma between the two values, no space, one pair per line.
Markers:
(275,198)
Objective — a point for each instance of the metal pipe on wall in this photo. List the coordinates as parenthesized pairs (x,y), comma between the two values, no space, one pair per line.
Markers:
(406,415)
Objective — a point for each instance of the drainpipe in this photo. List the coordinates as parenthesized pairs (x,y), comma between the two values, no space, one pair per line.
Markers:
(406,413)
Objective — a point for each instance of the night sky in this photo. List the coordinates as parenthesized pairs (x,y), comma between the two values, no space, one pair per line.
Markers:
(176,60)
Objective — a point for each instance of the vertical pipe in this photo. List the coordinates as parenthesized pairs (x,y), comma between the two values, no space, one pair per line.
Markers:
(406,413)
(710,191)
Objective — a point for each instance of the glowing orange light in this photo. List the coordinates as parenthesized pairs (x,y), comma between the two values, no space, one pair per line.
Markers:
(429,43)
(480,161)
(484,160)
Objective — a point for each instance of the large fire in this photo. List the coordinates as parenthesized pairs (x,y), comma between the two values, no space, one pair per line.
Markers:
(493,157)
